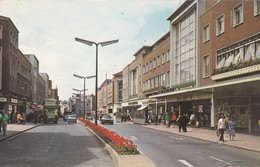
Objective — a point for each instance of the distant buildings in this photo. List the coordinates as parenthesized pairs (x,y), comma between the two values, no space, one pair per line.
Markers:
(21,85)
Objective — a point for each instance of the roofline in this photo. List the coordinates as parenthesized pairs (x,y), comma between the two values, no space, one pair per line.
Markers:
(164,36)
(142,48)
(7,18)
(180,9)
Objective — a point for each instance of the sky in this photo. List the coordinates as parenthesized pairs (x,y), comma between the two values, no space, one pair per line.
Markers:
(48,28)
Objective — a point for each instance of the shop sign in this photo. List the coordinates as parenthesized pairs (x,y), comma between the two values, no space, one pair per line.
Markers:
(14,100)
(200,108)
(2,99)
(133,103)
(238,101)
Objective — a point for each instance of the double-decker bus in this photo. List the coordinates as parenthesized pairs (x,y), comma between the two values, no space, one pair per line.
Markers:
(51,110)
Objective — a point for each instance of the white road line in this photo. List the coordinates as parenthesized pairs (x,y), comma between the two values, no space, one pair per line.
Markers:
(176,138)
(220,160)
(133,138)
(185,163)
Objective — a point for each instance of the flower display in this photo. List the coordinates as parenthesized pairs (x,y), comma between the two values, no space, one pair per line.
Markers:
(118,143)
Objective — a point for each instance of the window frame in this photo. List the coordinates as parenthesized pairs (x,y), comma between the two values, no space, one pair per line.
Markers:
(233,15)
(158,61)
(256,8)
(168,55)
(205,32)
(1,32)
(206,75)
(217,31)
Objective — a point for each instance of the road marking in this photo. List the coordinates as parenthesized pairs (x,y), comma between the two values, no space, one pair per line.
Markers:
(133,138)
(220,160)
(185,163)
(176,138)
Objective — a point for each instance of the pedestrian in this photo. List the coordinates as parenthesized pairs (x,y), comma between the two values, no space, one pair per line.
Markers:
(186,121)
(167,119)
(221,127)
(173,119)
(159,118)
(35,117)
(182,122)
(192,120)
(1,117)
(231,129)
(4,122)
(23,118)
(19,118)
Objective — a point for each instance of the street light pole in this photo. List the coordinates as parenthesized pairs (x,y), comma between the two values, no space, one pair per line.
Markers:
(90,43)
(81,77)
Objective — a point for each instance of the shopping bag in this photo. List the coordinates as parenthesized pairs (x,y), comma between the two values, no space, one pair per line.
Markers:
(217,132)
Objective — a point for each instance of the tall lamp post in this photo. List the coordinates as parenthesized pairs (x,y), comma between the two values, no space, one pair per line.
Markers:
(81,77)
(90,43)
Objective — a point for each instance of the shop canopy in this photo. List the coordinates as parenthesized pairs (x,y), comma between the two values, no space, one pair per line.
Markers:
(141,108)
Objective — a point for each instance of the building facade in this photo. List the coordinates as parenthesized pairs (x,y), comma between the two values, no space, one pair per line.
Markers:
(42,91)
(230,58)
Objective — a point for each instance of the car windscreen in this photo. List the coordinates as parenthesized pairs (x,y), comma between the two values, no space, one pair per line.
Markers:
(107,117)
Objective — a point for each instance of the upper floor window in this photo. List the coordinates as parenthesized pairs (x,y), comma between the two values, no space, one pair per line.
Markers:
(220,25)
(257,7)
(151,65)
(143,69)
(238,15)
(163,58)
(168,55)
(154,63)
(206,33)
(206,66)
(158,61)
(146,67)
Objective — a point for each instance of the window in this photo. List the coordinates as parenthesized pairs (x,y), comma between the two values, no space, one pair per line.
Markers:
(257,7)
(143,69)
(154,63)
(238,15)
(257,55)
(220,25)
(158,61)
(163,79)
(206,33)
(151,65)
(168,55)
(1,32)
(206,66)
(147,67)
(168,79)
(163,58)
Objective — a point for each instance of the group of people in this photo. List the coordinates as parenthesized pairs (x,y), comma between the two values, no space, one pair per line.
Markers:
(223,125)
(183,121)
(3,121)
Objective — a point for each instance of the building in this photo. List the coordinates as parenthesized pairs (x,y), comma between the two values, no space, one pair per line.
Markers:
(230,59)
(34,76)
(103,100)
(46,79)
(14,81)
(118,94)
(42,91)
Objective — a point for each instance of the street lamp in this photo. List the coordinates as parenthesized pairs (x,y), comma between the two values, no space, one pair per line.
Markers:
(90,43)
(81,77)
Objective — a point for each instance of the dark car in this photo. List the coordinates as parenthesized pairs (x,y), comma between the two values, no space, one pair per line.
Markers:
(107,119)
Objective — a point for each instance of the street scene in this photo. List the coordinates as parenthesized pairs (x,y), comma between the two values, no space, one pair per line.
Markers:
(130,83)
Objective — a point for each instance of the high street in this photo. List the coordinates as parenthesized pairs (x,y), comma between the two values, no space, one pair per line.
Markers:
(56,145)
(167,149)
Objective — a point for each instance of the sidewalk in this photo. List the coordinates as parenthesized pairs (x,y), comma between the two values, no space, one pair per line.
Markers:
(245,141)
(14,129)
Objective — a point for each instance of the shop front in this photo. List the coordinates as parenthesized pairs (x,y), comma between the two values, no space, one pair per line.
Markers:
(3,103)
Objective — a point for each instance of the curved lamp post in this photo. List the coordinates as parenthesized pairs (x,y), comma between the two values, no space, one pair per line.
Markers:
(90,43)
(81,77)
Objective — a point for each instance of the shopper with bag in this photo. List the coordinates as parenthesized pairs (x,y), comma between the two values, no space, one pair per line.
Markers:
(221,127)
(231,129)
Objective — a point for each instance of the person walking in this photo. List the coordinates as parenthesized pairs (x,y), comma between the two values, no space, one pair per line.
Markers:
(231,129)
(182,123)
(167,119)
(173,119)
(221,127)
(159,119)
(4,122)
(192,120)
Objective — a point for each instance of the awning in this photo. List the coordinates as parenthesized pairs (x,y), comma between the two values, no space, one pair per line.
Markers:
(141,108)
(243,80)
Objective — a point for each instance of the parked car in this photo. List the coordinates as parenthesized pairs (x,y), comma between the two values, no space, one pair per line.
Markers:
(90,118)
(72,118)
(107,119)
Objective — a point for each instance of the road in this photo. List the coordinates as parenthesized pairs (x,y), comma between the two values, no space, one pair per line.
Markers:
(167,149)
(59,145)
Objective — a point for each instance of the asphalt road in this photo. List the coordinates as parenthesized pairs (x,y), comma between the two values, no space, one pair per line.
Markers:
(55,145)
(166,149)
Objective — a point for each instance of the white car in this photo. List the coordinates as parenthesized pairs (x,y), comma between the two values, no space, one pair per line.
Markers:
(72,118)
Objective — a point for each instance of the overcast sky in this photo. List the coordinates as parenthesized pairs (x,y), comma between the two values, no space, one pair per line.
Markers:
(47,29)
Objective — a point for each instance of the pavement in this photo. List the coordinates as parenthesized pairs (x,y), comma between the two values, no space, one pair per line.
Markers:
(241,140)
(15,129)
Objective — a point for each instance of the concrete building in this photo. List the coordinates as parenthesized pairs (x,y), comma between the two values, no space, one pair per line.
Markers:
(34,76)
(103,100)
(117,95)
(46,79)
(42,91)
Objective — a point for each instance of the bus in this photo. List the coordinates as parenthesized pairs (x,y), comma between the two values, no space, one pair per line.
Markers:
(51,108)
